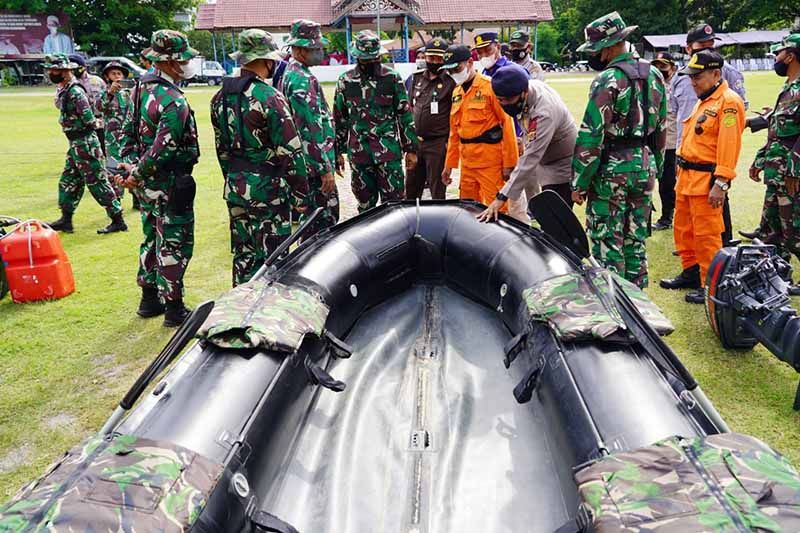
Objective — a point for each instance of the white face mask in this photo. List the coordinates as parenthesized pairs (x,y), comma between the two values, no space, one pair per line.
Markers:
(488,62)
(420,63)
(460,77)
(189,70)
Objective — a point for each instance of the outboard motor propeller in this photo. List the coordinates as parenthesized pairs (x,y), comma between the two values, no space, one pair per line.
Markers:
(747,302)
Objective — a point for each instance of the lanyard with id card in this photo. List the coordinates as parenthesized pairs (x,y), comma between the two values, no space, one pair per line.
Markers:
(434,104)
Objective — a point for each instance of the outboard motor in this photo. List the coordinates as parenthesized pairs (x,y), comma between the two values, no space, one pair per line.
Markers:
(747,302)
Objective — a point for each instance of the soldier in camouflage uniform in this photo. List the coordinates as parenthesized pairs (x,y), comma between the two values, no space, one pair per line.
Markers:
(779,158)
(84,165)
(260,154)
(313,120)
(161,149)
(619,153)
(115,105)
(95,87)
(374,125)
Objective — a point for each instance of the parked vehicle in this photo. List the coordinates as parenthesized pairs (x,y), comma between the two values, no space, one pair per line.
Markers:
(210,72)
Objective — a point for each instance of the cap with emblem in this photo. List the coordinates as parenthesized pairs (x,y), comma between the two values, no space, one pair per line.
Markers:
(456,54)
(256,44)
(702,61)
(115,65)
(59,61)
(606,31)
(306,33)
(665,58)
(366,45)
(510,80)
(519,37)
(437,47)
(701,33)
(485,38)
(790,41)
(166,45)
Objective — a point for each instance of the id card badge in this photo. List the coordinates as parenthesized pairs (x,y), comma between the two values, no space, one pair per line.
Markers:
(434,108)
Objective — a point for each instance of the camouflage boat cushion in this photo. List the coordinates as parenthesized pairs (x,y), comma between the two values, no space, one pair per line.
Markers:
(576,312)
(727,482)
(124,484)
(260,314)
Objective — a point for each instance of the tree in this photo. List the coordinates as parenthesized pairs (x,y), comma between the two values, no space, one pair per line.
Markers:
(202,41)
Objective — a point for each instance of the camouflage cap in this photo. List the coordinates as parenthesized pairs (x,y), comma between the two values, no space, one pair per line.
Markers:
(256,44)
(60,61)
(166,45)
(367,45)
(606,31)
(306,33)
(790,41)
(115,65)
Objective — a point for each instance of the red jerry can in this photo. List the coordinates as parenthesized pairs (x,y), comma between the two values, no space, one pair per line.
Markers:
(36,265)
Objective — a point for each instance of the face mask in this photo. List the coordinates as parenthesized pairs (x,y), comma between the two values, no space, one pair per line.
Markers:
(596,63)
(664,73)
(55,77)
(188,71)
(781,68)
(518,55)
(370,70)
(53,29)
(420,64)
(515,108)
(433,68)
(488,62)
(314,56)
(460,77)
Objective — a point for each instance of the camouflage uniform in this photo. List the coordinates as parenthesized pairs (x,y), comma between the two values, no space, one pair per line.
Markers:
(314,123)
(261,158)
(780,159)
(115,107)
(616,159)
(84,165)
(374,125)
(164,148)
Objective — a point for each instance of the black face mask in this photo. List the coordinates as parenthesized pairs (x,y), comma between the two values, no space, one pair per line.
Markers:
(664,73)
(519,54)
(595,63)
(781,68)
(515,108)
(55,77)
(369,70)
(433,68)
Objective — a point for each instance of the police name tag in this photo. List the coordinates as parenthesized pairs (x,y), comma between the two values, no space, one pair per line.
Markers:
(434,108)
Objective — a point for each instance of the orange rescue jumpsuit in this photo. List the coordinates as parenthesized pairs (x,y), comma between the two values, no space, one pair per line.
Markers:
(482,164)
(715,139)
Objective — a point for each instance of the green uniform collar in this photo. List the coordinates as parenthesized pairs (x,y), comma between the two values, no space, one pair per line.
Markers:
(624,56)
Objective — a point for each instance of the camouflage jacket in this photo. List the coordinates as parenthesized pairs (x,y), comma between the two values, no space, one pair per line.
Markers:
(312,117)
(76,110)
(258,148)
(95,87)
(782,150)
(609,117)
(115,108)
(373,117)
(166,141)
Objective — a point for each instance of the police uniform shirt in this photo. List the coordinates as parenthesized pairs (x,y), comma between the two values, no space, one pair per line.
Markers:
(431,100)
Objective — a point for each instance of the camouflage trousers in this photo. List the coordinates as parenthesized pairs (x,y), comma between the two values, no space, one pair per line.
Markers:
(255,233)
(617,212)
(384,180)
(167,247)
(84,169)
(782,215)
(328,202)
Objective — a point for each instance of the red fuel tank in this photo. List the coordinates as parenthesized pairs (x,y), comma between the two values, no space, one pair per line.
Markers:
(36,265)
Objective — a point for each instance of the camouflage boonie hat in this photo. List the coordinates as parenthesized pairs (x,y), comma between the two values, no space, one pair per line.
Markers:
(168,45)
(59,61)
(606,31)
(306,33)
(367,45)
(256,44)
(790,41)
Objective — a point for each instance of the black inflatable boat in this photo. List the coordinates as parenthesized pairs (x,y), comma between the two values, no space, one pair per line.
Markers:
(414,370)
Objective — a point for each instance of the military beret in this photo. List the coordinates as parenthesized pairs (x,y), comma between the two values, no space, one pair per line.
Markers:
(510,80)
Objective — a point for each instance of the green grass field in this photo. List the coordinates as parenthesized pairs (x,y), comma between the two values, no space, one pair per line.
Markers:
(65,364)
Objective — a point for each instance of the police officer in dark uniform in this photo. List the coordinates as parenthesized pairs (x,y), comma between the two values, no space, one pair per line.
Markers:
(430,91)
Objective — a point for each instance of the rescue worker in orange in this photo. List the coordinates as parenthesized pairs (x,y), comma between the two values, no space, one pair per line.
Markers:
(710,144)
(482,137)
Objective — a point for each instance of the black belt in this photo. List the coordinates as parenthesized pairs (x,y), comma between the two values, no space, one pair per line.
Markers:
(75,135)
(689,165)
(490,136)
(432,138)
(613,145)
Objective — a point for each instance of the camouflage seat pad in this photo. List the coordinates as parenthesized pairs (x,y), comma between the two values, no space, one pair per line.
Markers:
(575,311)
(726,482)
(260,314)
(125,484)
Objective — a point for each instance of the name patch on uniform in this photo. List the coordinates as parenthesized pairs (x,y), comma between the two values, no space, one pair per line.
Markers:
(731,110)
(532,129)
(710,112)
(478,97)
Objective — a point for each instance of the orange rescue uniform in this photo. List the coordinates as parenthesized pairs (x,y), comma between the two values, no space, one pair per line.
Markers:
(482,164)
(715,139)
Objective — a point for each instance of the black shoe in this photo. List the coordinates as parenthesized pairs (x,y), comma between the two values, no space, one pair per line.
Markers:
(734,242)
(755,234)
(794,289)
(150,305)
(697,296)
(64,223)
(662,225)
(117,224)
(688,279)
(176,314)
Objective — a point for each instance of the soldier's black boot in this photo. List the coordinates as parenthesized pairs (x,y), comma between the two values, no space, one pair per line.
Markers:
(757,233)
(688,279)
(176,313)
(150,305)
(697,296)
(64,223)
(117,224)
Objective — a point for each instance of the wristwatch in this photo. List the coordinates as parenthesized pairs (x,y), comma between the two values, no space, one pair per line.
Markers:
(724,185)
(502,197)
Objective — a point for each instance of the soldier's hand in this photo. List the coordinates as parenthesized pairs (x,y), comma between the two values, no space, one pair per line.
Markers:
(328,183)
(490,213)
(792,185)
(114,88)
(520,146)
(411,160)
(754,174)
(716,196)
(126,168)
(507,173)
(578,197)
(340,165)
(446,179)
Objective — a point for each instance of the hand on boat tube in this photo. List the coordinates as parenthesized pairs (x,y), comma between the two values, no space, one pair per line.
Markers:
(446,179)
(328,183)
(491,213)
